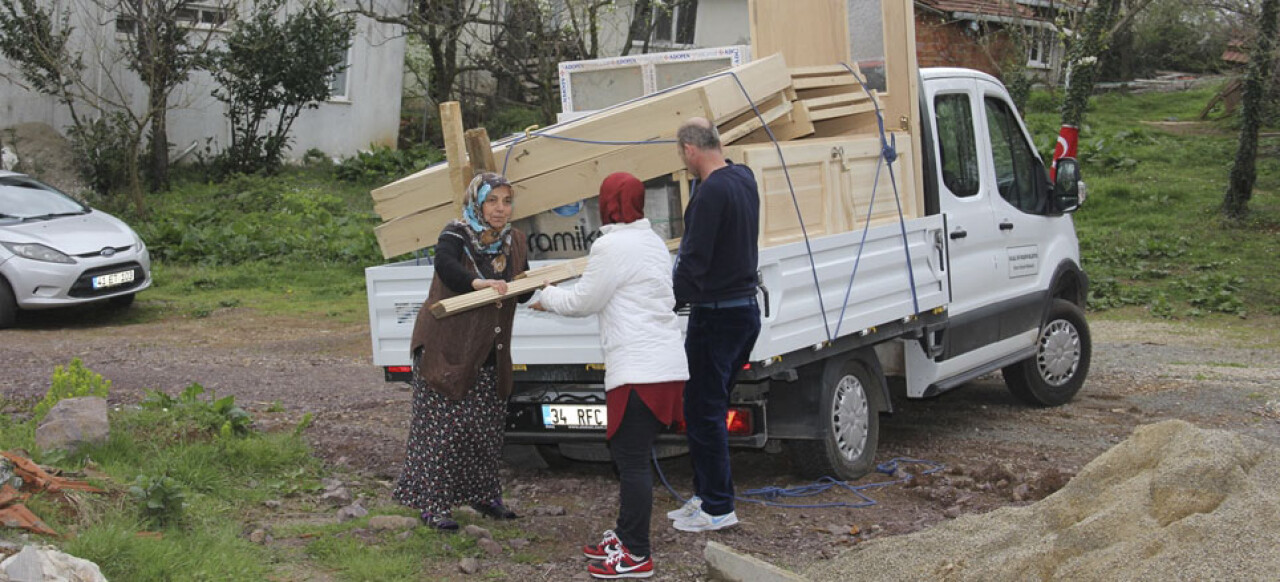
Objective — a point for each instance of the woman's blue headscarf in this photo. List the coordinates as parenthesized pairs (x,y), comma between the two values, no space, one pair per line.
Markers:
(489,240)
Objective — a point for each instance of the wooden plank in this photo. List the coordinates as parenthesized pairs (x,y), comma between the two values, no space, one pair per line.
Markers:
(841,111)
(807,32)
(658,117)
(427,188)
(803,83)
(795,126)
(531,280)
(901,103)
(455,150)
(818,70)
(537,194)
(838,99)
(480,151)
(682,178)
(771,111)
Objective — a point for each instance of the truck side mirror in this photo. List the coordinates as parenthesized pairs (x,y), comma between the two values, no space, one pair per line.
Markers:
(1067,188)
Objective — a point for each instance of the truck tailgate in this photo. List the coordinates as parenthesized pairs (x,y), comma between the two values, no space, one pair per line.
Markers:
(881,293)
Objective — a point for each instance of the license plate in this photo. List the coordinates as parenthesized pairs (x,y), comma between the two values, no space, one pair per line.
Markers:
(113,279)
(574,415)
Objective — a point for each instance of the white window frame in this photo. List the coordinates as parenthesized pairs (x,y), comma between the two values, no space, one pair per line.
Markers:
(343,96)
(206,18)
(1040,48)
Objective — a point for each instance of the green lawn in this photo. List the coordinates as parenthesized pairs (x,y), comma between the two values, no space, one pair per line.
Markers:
(1151,236)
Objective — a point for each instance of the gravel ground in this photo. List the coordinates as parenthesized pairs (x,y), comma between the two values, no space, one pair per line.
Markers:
(997,452)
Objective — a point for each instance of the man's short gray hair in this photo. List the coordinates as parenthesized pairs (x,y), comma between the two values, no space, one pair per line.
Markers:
(699,134)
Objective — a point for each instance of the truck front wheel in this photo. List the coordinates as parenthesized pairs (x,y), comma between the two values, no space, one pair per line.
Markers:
(849,422)
(1063,351)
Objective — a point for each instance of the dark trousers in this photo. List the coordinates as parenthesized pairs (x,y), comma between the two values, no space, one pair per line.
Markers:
(631,445)
(718,343)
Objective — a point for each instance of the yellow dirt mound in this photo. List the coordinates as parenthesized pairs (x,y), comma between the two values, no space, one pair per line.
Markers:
(1173,502)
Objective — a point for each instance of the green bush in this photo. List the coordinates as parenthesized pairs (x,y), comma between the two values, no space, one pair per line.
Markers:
(383,164)
(217,415)
(73,381)
(256,218)
(161,500)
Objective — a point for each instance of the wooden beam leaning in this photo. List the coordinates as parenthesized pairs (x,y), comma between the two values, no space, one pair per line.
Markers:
(531,280)
(480,151)
(455,150)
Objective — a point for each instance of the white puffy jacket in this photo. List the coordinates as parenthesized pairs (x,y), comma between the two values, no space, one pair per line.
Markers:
(628,284)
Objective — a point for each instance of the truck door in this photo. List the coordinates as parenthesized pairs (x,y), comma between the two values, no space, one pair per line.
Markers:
(964,197)
(1029,231)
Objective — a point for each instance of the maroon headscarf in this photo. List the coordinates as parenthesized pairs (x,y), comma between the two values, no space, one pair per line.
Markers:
(621,199)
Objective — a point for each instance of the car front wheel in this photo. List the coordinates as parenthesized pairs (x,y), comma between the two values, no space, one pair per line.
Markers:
(8,306)
(1063,352)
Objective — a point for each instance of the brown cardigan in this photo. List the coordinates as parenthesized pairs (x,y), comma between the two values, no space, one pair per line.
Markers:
(454,347)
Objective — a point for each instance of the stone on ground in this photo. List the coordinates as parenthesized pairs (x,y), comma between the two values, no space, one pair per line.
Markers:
(74,422)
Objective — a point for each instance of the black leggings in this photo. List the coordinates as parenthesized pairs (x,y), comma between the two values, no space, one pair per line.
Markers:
(631,445)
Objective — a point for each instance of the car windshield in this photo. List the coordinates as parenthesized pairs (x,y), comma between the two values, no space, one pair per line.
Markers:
(22,198)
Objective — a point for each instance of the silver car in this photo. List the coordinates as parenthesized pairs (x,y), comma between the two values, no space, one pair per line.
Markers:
(56,251)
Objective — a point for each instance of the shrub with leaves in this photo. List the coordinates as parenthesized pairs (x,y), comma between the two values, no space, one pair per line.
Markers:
(385,164)
(160,499)
(217,415)
(73,381)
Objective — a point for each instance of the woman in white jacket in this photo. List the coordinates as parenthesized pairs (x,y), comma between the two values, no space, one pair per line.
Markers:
(627,284)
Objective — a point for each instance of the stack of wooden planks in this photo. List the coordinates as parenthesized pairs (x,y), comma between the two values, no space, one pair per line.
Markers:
(566,162)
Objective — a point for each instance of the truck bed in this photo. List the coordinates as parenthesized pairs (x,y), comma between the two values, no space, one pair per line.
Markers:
(881,293)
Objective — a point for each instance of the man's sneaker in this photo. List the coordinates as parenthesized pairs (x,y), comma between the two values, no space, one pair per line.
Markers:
(689,509)
(621,565)
(608,546)
(704,521)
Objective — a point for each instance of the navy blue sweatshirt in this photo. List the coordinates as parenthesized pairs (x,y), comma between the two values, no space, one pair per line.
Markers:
(718,254)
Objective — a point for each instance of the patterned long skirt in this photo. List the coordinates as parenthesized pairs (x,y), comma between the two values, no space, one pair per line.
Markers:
(454,447)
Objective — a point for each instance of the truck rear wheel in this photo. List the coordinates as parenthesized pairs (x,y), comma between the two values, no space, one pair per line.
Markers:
(849,421)
(1063,352)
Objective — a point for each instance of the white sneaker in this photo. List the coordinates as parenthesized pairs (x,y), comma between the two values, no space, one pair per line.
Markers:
(689,509)
(704,521)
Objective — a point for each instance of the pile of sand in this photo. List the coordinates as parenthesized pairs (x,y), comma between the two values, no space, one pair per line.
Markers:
(45,154)
(1173,502)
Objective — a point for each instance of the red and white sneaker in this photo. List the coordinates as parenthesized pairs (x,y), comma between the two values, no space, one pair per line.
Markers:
(621,565)
(608,546)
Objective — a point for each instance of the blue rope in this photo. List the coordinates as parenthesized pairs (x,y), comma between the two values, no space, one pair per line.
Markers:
(889,153)
(769,495)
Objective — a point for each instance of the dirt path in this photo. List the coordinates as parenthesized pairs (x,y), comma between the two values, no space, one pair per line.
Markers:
(997,451)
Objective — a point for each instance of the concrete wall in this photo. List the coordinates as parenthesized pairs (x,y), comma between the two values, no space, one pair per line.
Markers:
(340,127)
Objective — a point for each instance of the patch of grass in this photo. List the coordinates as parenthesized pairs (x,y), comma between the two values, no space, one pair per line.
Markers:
(351,556)
(1151,236)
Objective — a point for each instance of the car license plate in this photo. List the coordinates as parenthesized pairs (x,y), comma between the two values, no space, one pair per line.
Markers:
(574,415)
(113,279)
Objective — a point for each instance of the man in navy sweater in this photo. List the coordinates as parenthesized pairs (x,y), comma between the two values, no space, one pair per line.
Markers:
(715,275)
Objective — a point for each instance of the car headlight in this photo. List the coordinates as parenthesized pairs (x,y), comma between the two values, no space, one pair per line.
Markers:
(38,252)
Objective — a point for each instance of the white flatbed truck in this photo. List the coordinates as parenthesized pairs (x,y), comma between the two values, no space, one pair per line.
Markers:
(988,279)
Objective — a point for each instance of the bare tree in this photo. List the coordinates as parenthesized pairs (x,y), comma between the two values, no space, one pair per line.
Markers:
(1244,172)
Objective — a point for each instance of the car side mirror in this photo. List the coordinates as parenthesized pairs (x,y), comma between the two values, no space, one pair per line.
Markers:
(1068,191)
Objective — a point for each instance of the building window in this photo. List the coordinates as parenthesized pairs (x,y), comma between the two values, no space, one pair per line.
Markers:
(1039,48)
(338,83)
(674,23)
(192,17)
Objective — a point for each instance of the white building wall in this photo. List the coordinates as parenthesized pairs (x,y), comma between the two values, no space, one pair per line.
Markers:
(341,127)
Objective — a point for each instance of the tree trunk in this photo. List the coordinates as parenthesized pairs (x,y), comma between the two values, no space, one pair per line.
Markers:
(158,170)
(1083,59)
(1235,204)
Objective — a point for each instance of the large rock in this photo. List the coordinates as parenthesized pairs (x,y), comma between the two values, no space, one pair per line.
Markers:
(74,422)
(1173,502)
(35,564)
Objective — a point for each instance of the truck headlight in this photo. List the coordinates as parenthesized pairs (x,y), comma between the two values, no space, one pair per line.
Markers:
(38,252)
